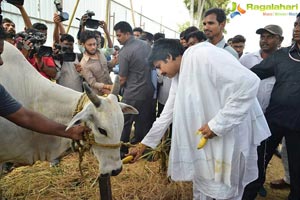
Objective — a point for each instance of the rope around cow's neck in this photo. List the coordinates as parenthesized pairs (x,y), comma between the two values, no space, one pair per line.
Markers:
(88,136)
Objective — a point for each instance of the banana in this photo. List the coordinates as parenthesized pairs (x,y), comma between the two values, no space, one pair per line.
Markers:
(127,159)
(202,141)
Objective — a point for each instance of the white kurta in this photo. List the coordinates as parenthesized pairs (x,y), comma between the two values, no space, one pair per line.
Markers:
(214,88)
(161,124)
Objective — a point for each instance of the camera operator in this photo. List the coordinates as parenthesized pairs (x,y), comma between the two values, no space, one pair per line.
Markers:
(19,5)
(30,43)
(64,57)
(9,25)
(87,21)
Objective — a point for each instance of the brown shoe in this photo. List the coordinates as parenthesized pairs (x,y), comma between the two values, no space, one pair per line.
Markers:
(279,184)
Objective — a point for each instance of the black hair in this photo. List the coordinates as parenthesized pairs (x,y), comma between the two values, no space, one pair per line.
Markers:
(189,30)
(163,49)
(6,20)
(298,15)
(67,37)
(138,29)
(147,36)
(40,26)
(158,36)
(238,38)
(86,35)
(181,35)
(123,27)
(196,34)
(220,13)
(30,31)
(98,33)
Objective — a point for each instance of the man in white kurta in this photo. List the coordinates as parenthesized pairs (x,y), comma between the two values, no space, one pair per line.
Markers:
(214,89)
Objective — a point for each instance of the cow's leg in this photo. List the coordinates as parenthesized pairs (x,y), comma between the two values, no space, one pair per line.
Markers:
(105,187)
(56,161)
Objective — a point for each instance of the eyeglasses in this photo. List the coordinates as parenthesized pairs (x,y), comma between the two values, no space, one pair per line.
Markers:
(291,57)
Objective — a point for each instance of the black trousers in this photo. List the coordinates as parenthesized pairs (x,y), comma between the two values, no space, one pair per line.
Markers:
(293,150)
(142,122)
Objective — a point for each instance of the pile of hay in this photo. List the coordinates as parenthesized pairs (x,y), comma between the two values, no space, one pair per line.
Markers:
(142,180)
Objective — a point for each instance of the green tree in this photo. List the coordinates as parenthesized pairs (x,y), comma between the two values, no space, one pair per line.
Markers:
(182,27)
(200,6)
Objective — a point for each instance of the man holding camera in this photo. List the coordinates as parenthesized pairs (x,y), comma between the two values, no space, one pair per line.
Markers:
(88,22)
(40,57)
(9,25)
(64,57)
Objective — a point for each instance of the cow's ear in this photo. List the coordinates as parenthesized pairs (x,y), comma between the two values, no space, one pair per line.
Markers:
(127,109)
(82,116)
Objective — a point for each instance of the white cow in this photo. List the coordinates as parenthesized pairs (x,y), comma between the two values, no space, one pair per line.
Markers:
(37,93)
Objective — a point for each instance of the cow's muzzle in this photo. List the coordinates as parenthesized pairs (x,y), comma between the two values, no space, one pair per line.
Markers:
(116,172)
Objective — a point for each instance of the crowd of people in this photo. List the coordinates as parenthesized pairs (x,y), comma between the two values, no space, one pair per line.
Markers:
(198,82)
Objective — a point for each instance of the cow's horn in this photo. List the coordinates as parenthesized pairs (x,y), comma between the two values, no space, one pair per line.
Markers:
(92,95)
(116,87)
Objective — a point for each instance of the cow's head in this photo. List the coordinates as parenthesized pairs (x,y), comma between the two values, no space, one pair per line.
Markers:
(104,115)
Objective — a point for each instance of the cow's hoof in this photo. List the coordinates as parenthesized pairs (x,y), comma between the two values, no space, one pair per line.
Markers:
(55,162)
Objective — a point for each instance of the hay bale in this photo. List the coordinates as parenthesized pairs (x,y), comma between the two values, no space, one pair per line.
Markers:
(141,180)
(138,181)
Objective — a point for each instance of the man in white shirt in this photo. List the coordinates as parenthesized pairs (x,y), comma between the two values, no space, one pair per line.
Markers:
(213,25)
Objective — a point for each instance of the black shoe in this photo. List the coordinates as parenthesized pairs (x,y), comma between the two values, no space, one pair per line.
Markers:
(262,191)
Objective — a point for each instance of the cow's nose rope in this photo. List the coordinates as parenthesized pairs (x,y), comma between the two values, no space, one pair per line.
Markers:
(88,137)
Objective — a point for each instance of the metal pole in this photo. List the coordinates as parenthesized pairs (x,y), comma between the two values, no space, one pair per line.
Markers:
(72,17)
(107,14)
(107,19)
(114,19)
(132,13)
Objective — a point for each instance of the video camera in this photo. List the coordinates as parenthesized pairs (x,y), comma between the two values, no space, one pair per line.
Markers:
(37,39)
(64,16)
(65,53)
(16,2)
(91,23)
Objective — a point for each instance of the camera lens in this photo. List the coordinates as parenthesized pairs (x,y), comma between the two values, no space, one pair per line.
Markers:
(64,16)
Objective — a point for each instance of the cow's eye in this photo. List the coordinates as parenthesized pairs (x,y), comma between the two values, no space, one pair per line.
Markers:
(102,131)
